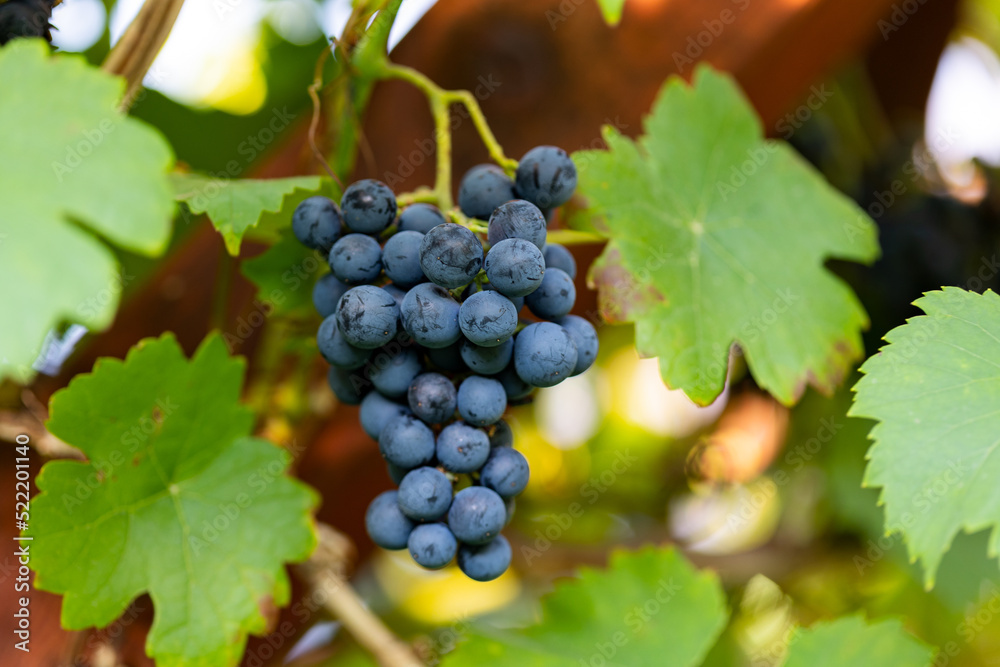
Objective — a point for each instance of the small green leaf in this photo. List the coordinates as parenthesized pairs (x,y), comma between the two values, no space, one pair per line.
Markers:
(851,641)
(236,206)
(75,176)
(611,10)
(935,391)
(174,500)
(720,236)
(285,274)
(650,607)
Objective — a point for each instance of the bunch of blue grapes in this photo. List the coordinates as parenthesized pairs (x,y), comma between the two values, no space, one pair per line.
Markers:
(434,336)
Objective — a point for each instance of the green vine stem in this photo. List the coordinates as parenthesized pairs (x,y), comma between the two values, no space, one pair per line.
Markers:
(440,101)
(573,237)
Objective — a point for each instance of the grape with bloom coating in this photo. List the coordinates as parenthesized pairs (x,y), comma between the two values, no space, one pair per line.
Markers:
(483,188)
(367,316)
(385,522)
(316,223)
(546,176)
(432,545)
(486,562)
(451,255)
(515,267)
(518,219)
(544,354)
(477,515)
(368,206)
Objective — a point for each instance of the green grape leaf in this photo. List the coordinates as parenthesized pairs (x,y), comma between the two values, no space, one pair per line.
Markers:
(851,641)
(935,392)
(285,274)
(719,236)
(174,500)
(611,10)
(237,206)
(76,175)
(650,607)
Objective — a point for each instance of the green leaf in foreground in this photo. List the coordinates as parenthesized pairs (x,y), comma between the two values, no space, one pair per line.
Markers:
(935,391)
(75,176)
(720,236)
(174,500)
(851,641)
(236,206)
(650,607)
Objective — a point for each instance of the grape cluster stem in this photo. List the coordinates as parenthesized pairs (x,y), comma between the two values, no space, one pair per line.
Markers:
(440,101)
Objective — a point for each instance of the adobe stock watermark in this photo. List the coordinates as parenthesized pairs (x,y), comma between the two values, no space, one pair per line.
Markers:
(293,279)
(913,170)
(696,44)
(901,13)
(756,157)
(134,437)
(424,148)
(635,620)
(90,139)
(590,491)
(90,307)
(929,495)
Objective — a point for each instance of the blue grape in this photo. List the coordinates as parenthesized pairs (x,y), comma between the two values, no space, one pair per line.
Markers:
(518,219)
(432,545)
(506,472)
(326,294)
(385,522)
(487,318)
(368,316)
(515,267)
(481,401)
(483,188)
(513,385)
(546,176)
(447,358)
(401,259)
(377,411)
(544,354)
(451,255)
(425,494)
(554,298)
(558,257)
(420,218)
(488,360)
(486,562)
(335,349)
(368,206)
(316,223)
(433,398)
(462,448)
(477,515)
(393,371)
(356,259)
(584,337)
(406,442)
(348,386)
(502,435)
(476,288)
(430,315)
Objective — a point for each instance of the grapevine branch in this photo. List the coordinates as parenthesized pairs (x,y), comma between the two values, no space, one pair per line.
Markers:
(441,101)
(135,52)
(325,573)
